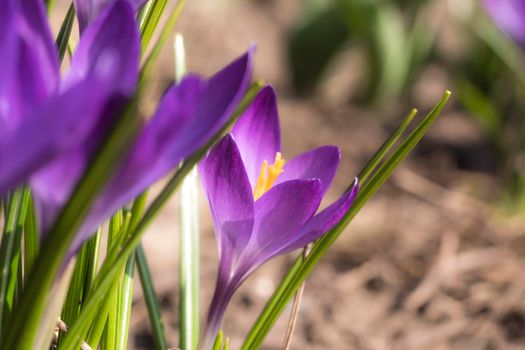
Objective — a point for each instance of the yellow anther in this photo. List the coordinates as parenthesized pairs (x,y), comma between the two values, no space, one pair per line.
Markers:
(268,175)
(261,182)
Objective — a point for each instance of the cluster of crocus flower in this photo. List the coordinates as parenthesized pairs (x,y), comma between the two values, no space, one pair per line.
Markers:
(51,126)
(261,210)
(509,16)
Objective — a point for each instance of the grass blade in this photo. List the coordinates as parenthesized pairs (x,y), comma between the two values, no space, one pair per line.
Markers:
(89,254)
(150,21)
(141,16)
(14,284)
(116,229)
(217,344)
(385,147)
(163,38)
(106,322)
(65,32)
(148,289)
(91,262)
(31,239)
(98,326)
(150,296)
(110,332)
(82,280)
(7,252)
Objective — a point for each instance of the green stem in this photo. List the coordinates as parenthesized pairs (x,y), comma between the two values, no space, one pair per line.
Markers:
(189,238)
(189,263)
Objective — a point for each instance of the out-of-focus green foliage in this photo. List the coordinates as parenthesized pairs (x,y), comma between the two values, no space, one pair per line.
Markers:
(397,41)
(490,82)
(314,45)
(391,34)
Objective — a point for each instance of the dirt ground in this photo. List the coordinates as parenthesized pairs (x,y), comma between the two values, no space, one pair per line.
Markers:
(429,263)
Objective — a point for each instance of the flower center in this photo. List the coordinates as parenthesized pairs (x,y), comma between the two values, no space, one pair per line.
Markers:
(268,175)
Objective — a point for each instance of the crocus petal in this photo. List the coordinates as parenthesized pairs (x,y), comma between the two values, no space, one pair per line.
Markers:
(109,62)
(230,197)
(29,67)
(8,56)
(88,10)
(151,153)
(48,131)
(35,14)
(7,26)
(323,221)
(320,163)
(257,133)
(509,15)
(187,116)
(279,214)
(224,290)
(212,108)
(224,92)
(109,49)
(148,159)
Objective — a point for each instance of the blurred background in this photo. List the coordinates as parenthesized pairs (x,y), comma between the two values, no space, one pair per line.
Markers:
(436,259)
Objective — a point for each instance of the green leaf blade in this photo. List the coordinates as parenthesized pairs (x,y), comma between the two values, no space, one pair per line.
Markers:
(150,296)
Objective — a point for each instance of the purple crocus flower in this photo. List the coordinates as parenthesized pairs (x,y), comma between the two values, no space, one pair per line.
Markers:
(187,116)
(509,16)
(261,210)
(50,127)
(43,116)
(88,10)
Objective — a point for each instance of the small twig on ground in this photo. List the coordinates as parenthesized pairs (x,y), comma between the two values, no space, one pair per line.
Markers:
(292,322)
(446,199)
